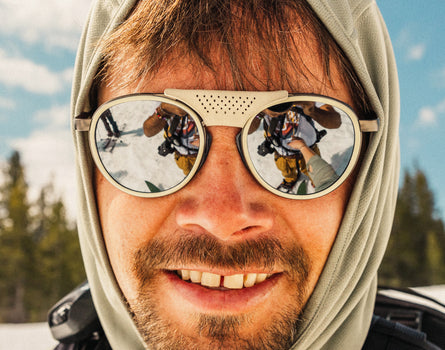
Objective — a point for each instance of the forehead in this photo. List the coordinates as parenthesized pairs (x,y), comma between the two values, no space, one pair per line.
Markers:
(183,72)
(275,46)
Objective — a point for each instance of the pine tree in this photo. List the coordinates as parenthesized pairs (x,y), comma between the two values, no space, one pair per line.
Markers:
(58,252)
(16,244)
(40,258)
(416,251)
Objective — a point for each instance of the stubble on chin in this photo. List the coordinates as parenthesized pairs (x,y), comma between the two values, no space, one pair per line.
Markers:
(217,331)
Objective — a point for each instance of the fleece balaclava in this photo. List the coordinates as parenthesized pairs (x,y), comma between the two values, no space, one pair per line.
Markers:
(339,311)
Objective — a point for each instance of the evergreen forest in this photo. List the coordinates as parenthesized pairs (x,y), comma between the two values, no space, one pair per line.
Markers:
(40,259)
(415,255)
(39,251)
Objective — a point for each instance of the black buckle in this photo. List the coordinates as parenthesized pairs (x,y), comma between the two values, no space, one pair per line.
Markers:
(407,317)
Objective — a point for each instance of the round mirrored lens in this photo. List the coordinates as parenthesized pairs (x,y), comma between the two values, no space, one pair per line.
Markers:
(147,146)
(301,147)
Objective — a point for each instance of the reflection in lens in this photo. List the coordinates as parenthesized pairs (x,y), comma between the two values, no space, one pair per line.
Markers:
(154,149)
(303,149)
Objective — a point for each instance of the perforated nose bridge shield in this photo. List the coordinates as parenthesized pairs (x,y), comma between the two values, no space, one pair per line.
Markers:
(226,108)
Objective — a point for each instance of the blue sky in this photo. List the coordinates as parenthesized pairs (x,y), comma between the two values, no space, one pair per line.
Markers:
(37,50)
(417,29)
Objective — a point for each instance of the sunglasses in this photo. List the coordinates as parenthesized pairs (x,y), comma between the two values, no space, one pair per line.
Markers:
(296,146)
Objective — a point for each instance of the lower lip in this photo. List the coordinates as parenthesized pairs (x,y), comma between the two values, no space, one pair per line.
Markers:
(231,300)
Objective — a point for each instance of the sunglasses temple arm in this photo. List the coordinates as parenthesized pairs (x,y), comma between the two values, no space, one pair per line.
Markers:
(369,125)
(82,122)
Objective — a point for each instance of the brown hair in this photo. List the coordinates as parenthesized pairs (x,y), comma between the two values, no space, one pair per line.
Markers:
(156,31)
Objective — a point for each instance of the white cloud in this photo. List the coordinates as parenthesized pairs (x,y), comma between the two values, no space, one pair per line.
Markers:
(51,23)
(429,115)
(403,38)
(416,52)
(48,155)
(33,77)
(408,42)
(54,118)
(67,75)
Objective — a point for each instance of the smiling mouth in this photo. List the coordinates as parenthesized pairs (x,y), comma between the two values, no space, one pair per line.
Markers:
(212,280)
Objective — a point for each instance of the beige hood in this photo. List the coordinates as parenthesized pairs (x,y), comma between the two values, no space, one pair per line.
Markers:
(339,311)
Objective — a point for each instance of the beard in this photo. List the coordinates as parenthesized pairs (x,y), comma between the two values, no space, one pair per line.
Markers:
(218,331)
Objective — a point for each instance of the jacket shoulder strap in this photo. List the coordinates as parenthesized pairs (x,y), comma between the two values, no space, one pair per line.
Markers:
(387,335)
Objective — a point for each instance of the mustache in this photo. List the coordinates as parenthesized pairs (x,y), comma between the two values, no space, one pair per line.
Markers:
(262,252)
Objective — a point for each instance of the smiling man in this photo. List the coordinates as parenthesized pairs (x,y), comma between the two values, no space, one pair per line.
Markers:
(189,237)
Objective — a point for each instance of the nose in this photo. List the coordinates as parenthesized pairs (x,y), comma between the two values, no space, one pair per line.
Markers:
(223,199)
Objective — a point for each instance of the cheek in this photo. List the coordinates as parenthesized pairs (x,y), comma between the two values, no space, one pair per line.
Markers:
(127,223)
(315,223)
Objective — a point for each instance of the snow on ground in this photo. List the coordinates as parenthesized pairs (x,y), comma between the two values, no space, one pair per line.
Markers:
(134,159)
(335,148)
(35,336)
(437,292)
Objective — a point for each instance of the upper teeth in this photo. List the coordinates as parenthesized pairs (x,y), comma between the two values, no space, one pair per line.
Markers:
(209,279)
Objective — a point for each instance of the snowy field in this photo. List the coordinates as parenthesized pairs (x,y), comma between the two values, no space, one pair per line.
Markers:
(35,336)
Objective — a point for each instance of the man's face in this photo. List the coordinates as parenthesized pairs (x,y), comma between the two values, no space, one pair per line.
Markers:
(223,223)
